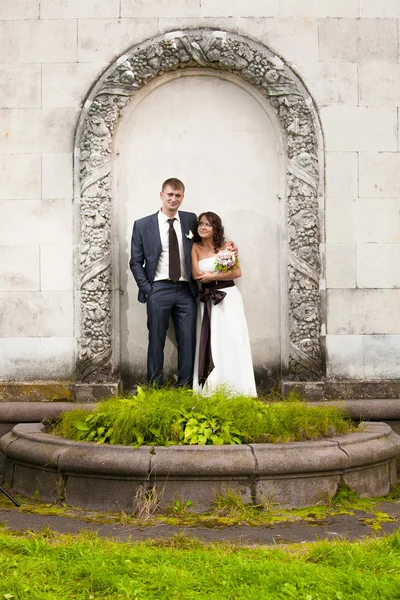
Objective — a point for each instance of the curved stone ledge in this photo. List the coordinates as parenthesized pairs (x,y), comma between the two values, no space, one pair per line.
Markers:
(106,477)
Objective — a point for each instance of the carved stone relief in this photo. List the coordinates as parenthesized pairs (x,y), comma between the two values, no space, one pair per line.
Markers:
(284,91)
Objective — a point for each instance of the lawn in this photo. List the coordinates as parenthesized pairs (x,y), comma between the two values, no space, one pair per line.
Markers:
(49,566)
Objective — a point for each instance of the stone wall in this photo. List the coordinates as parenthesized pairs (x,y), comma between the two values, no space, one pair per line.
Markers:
(347,54)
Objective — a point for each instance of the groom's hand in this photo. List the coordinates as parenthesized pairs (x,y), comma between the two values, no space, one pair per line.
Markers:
(231,247)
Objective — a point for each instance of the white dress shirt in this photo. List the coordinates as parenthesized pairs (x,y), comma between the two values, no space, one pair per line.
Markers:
(162,271)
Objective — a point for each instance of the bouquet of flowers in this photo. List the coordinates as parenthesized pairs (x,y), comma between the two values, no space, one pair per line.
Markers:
(226,261)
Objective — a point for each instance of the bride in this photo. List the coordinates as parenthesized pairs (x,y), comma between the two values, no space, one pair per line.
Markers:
(223,355)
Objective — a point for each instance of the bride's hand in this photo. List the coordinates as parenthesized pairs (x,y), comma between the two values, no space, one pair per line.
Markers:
(199,276)
(208,277)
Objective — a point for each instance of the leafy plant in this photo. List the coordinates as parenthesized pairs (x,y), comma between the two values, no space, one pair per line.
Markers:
(169,416)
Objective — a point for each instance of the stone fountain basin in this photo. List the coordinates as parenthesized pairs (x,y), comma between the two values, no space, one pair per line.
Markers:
(106,477)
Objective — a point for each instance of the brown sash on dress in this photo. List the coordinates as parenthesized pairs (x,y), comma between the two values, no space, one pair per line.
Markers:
(210,294)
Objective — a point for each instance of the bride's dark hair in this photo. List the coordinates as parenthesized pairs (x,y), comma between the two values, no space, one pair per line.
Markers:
(218,234)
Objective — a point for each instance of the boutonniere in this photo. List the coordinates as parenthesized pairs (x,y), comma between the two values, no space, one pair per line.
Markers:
(189,235)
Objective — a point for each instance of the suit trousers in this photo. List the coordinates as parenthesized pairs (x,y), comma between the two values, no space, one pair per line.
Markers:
(176,300)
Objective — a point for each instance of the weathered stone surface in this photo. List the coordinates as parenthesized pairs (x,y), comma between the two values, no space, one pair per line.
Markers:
(358,39)
(19,268)
(163,8)
(376,220)
(90,392)
(319,8)
(331,82)
(13,186)
(20,86)
(357,312)
(375,264)
(341,175)
(376,8)
(36,314)
(101,40)
(20,9)
(37,130)
(66,85)
(57,359)
(292,39)
(290,492)
(379,83)
(368,128)
(57,176)
(368,390)
(240,8)
(79,9)
(340,266)
(36,222)
(108,477)
(28,41)
(378,174)
(56,268)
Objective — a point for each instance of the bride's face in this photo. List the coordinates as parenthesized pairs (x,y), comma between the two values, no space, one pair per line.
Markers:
(205,229)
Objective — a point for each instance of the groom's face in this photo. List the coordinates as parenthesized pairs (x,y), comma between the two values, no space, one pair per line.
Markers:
(171,199)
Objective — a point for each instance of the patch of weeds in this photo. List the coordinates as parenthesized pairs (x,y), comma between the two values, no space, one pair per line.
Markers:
(145,503)
(376,522)
(179,506)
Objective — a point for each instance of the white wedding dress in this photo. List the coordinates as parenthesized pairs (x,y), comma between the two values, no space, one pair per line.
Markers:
(230,343)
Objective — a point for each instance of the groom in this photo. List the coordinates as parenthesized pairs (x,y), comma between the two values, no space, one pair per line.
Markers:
(161,265)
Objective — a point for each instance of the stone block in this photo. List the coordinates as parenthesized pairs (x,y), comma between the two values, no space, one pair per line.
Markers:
(377,220)
(319,8)
(20,179)
(358,312)
(311,390)
(91,392)
(102,494)
(20,86)
(20,9)
(297,491)
(340,266)
(365,128)
(379,174)
(330,82)
(240,8)
(27,41)
(382,393)
(36,222)
(342,174)
(57,176)
(381,356)
(168,24)
(67,85)
(19,268)
(43,483)
(202,461)
(378,265)
(345,358)
(27,359)
(358,39)
(36,314)
(161,8)
(56,264)
(103,40)
(379,83)
(79,9)
(340,226)
(374,481)
(201,492)
(37,130)
(292,39)
(377,8)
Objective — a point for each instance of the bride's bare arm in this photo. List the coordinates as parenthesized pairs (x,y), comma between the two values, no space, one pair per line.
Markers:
(196,273)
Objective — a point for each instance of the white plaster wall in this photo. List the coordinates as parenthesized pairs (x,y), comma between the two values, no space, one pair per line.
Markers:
(218,138)
(347,53)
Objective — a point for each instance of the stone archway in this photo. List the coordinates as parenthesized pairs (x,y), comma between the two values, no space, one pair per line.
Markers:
(295,110)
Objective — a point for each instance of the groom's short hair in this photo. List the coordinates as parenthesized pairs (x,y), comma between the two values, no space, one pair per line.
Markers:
(173,182)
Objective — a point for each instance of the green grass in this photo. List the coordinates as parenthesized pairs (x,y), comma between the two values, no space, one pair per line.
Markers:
(49,566)
(171,416)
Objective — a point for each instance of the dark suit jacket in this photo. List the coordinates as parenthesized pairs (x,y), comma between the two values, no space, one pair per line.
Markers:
(146,250)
